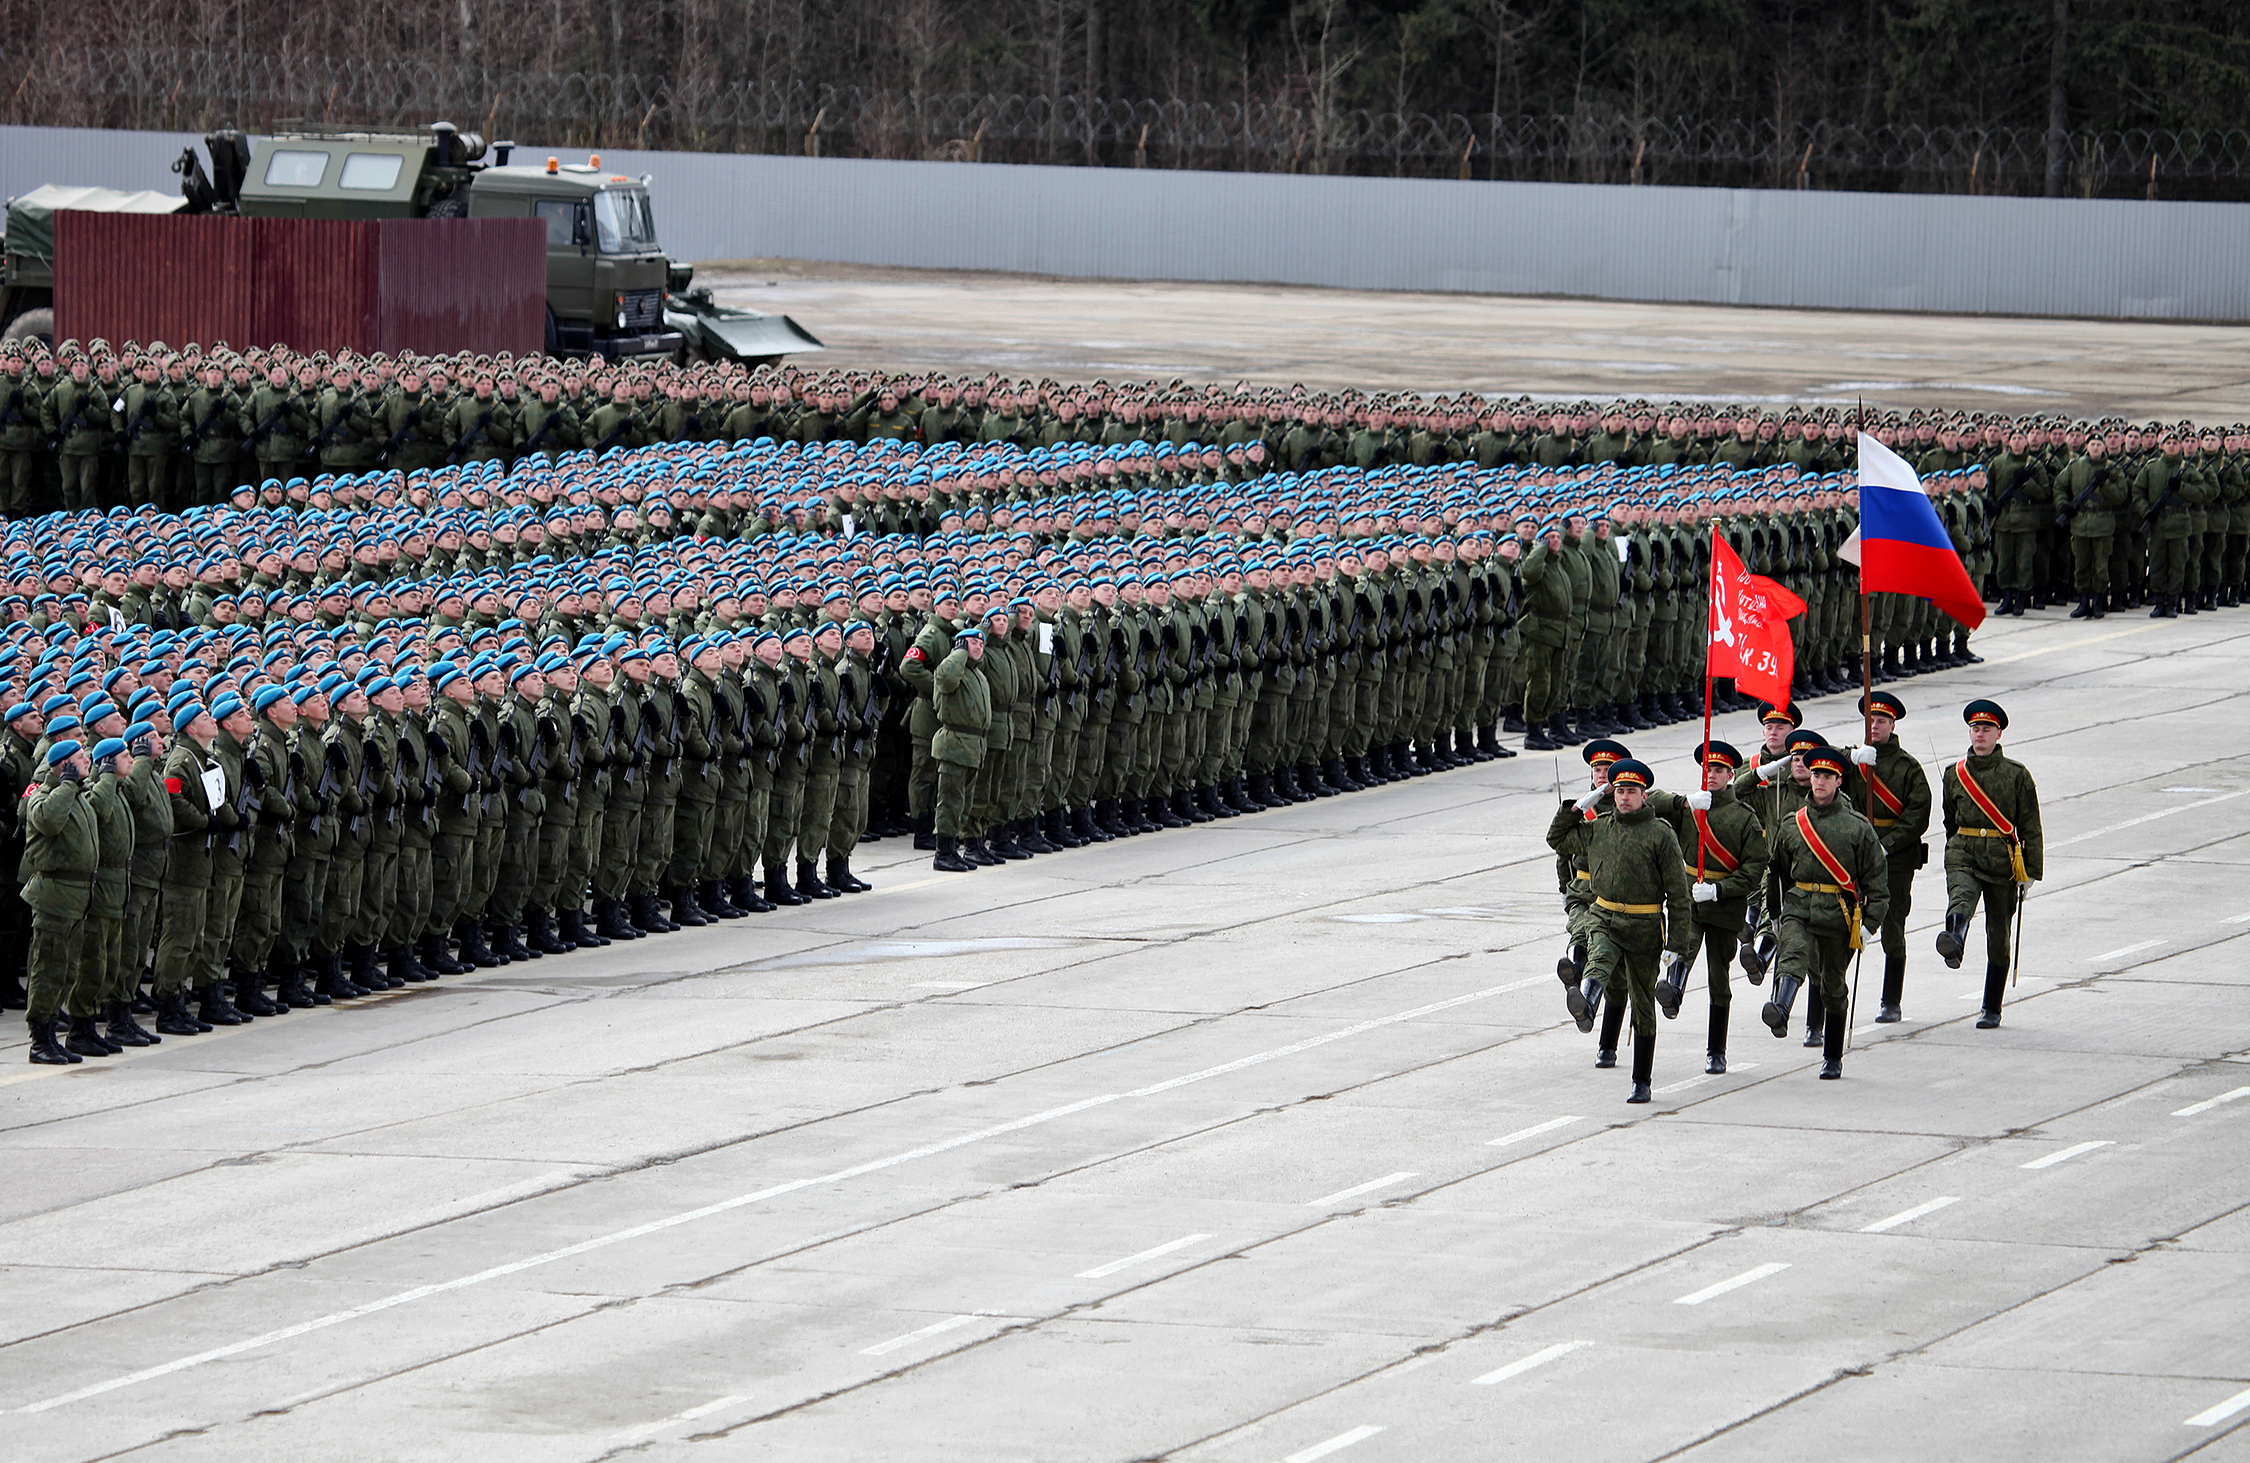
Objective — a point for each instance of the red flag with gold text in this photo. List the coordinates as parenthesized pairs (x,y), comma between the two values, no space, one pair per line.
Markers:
(1750,618)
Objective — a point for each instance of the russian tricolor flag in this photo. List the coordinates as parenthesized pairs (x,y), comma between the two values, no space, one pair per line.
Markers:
(1903,548)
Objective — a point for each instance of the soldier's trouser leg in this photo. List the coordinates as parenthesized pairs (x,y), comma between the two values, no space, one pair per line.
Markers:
(726,831)
(815,812)
(983,813)
(692,821)
(1627,973)
(1717,943)
(377,879)
(783,810)
(134,940)
(1902,905)
(213,482)
(621,840)
(96,976)
(1092,764)
(1964,891)
(1823,962)
(22,483)
(921,781)
(51,967)
(849,819)
(585,849)
(956,785)
(2089,563)
(218,928)
(258,919)
(144,480)
(2017,552)
(339,908)
(1062,762)
(451,859)
(653,857)
(2237,563)
(304,897)
(2167,565)
(81,474)
(755,813)
(1542,686)
(2214,565)
(1266,724)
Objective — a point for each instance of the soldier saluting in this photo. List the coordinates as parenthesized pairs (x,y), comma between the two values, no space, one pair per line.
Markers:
(1836,879)
(1640,909)
(1993,849)
(1724,846)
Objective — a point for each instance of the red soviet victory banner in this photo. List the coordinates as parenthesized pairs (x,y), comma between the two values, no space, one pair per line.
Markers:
(1750,619)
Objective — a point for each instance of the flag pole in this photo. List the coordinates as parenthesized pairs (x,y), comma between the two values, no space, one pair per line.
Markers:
(1710,592)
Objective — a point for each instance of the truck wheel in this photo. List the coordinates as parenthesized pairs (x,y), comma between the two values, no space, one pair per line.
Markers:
(32,325)
(453,205)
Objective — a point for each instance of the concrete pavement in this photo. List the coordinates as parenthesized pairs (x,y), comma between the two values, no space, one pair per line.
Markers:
(1267,1140)
(1276,335)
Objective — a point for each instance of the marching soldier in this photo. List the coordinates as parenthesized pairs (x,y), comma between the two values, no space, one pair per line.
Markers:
(1728,864)
(1994,850)
(1640,909)
(1836,874)
(1894,795)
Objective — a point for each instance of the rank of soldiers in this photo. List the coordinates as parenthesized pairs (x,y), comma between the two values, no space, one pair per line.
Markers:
(1787,861)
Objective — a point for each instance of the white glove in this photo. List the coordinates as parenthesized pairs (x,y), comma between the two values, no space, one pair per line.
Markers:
(1705,893)
(1768,771)
(1591,796)
(1864,756)
(1700,801)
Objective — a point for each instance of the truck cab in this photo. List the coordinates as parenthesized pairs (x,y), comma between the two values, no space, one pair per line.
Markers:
(606,272)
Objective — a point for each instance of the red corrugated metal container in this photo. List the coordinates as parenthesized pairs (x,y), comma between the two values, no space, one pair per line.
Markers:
(426,285)
(438,282)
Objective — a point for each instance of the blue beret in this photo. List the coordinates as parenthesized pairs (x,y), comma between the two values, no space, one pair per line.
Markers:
(266,696)
(60,752)
(108,747)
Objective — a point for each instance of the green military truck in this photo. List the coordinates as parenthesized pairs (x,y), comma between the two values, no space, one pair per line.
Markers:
(611,292)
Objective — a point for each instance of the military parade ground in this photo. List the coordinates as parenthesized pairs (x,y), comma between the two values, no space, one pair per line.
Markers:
(1262,1140)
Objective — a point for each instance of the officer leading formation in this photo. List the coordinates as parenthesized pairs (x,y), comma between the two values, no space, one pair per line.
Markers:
(1774,857)
(424,676)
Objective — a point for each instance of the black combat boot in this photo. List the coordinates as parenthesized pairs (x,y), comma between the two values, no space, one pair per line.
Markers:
(404,967)
(1894,987)
(1644,1064)
(1995,989)
(1186,809)
(925,841)
(742,891)
(1002,841)
(1511,720)
(1584,1002)
(1613,1022)
(1560,730)
(1541,739)
(685,911)
(173,1017)
(949,860)
(778,890)
(1160,811)
(1031,836)
(979,851)
(1832,1046)
(367,969)
(1088,831)
(507,939)
(1141,818)
(1815,1015)
(45,1050)
(1776,1013)
(1339,774)
(289,983)
(842,879)
(809,883)
(437,957)
(1715,1046)
(214,1009)
(250,997)
(544,937)
(1953,940)
(1570,966)
(610,922)
(85,1039)
(123,1030)
(1671,986)
(711,898)
(1061,831)
(474,952)
(1109,816)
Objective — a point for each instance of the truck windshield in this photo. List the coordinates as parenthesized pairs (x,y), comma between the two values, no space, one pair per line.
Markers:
(622,221)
